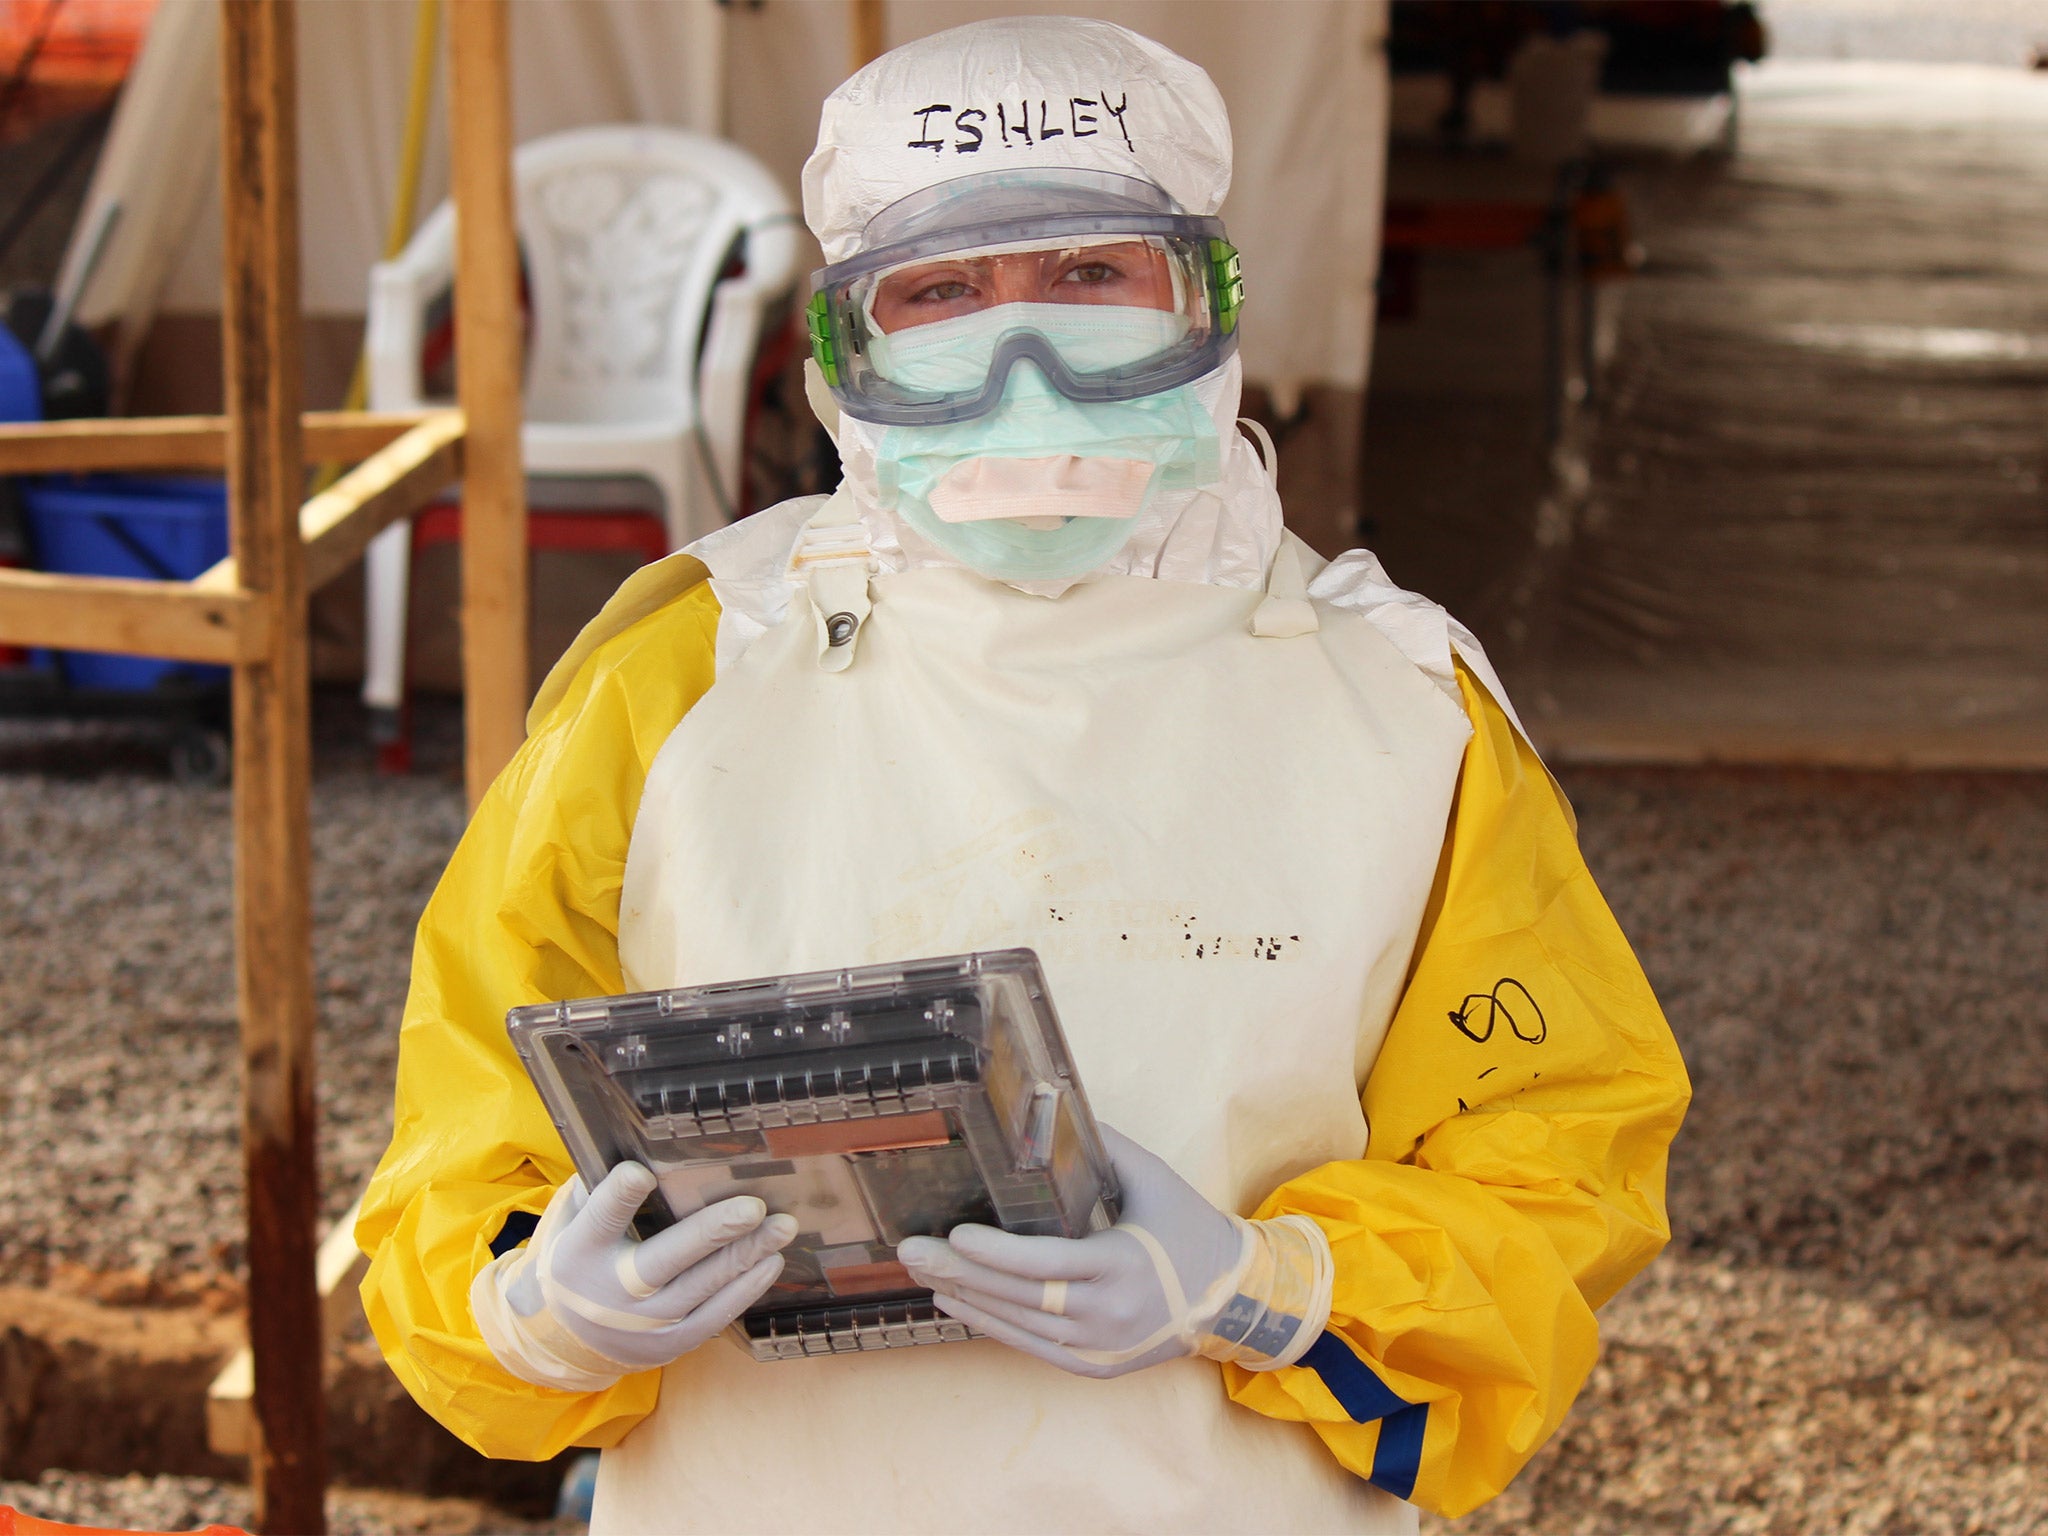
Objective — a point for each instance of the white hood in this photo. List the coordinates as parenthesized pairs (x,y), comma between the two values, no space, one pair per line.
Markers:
(1035,92)
(1021,92)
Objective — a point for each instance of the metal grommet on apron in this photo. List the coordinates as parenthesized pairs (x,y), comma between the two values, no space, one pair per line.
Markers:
(833,561)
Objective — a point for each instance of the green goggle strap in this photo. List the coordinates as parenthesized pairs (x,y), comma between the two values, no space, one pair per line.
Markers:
(1229,275)
(819,313)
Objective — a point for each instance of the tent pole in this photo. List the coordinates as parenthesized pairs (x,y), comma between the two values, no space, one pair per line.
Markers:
(868,32)
(273,855)
(488,373)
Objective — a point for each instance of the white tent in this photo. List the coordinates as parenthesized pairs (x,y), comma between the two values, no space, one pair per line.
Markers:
(1306,83)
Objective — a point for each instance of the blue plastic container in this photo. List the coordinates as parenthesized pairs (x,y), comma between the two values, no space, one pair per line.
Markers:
(21,390)
(579,1489)
(157,528)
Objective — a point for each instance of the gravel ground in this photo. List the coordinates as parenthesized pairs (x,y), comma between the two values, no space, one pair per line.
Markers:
(189,1503)
(1848,1334)
(119,1072)
(1850,1331)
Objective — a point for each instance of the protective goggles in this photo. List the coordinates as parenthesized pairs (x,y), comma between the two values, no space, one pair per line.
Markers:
(1095,279)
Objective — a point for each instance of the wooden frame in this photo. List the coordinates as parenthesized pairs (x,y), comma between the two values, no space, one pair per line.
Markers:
(250,613)
(866,33)
(181,442)
(488,333)
(339,1268)
(148,618)
(337,524)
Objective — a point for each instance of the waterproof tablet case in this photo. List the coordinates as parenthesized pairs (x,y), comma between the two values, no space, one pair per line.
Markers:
(873,1104)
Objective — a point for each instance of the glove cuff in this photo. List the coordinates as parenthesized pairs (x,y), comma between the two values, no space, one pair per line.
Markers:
(1281,1299)
(506,1299)
(536,1349)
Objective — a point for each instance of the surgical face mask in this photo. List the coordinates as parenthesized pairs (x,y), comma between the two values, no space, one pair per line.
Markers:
(1043,488)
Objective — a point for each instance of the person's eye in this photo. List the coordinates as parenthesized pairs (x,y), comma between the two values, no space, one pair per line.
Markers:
(946,291)
(1092,272)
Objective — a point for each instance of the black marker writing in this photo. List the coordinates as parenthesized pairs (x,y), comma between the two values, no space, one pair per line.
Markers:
(1123,105)
(1014,129)
(924,140)
(1527,1025)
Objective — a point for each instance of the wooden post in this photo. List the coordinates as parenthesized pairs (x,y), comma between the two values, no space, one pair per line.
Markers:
(868,32)
(487,370)
(273,854)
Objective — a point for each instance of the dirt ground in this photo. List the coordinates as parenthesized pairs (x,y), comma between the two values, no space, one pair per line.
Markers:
(1799,518)
(1816,471)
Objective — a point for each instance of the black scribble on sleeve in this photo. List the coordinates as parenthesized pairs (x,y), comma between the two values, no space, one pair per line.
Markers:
(1481,1013)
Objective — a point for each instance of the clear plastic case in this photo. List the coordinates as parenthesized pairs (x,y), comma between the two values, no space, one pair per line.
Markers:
(873,1104)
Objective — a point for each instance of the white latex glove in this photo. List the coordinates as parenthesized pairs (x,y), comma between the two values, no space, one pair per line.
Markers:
(1174,1277)
(585,1301)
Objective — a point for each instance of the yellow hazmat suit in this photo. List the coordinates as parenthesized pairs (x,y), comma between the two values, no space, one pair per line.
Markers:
(1503,1195)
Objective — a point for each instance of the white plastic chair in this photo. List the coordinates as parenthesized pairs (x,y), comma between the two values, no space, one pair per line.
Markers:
(639,352)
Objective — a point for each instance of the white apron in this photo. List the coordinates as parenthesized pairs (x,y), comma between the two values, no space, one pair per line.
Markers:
(1219,843)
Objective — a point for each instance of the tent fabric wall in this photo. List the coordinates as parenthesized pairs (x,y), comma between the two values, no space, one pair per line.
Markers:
(573,63)
(160,162)
(1308,100)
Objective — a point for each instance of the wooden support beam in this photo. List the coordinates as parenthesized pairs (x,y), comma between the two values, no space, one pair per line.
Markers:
(273,853)
(337,525)
(230,1407)
(195,443)
(167,442)
(137,618)
(868,32)
(340,1267)
(487,372)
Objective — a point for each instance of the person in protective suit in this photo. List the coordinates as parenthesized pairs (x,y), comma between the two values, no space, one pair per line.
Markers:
(1391,1097)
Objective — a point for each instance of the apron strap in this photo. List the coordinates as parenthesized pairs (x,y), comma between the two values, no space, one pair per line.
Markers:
(833,558)
(1267,452)
(1285,611)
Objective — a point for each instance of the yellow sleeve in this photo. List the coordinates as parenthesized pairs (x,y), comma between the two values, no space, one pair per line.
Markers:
(1520,1109)
(527,911)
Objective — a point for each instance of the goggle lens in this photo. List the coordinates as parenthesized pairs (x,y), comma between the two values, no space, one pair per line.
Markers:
(1136,274)
(1161,311)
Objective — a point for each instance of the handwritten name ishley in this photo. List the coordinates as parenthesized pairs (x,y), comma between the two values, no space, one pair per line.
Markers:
(1012,123)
